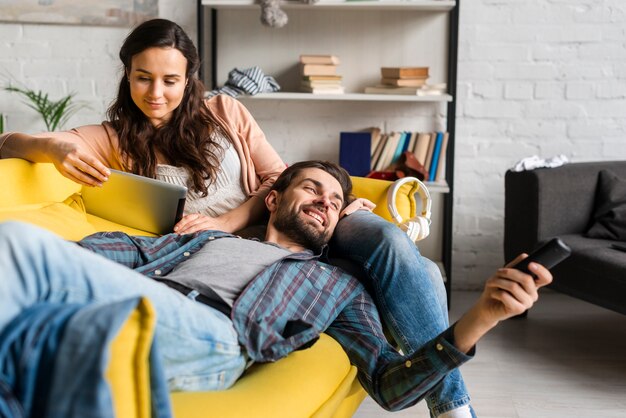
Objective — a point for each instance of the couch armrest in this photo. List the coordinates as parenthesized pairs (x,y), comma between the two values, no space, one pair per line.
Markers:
(25,183)
(376,190)
(546,202)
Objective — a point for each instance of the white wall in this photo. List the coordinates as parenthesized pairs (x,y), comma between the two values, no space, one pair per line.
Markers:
(64,59)
(535,77)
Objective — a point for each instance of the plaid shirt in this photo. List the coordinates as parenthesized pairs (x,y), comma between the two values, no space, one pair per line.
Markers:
(290,303)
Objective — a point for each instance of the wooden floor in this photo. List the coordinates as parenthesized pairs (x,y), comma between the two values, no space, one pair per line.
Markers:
(566,360)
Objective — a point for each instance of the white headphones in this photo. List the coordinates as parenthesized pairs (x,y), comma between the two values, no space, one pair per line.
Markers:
(418,227)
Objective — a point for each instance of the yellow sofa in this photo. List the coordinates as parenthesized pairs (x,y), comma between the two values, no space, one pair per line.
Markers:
(317,382)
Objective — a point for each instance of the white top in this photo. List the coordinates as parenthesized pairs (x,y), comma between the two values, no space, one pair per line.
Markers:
(226,192)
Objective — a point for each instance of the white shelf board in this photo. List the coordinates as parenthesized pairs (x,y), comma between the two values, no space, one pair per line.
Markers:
(425,5)
(349,97)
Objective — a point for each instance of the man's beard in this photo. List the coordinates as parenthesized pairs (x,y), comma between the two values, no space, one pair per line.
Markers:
(299,231)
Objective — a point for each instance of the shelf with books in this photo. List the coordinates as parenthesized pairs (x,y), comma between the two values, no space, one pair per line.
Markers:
(424,5)
(374,153)
(348,97)
(366,35)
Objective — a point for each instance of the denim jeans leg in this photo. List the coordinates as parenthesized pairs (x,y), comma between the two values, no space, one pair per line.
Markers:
(407,288)
(198,345)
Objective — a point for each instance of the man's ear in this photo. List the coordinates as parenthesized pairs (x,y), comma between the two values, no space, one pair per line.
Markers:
(271,201)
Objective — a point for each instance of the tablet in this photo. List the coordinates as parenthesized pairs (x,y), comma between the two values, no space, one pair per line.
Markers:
(139,202)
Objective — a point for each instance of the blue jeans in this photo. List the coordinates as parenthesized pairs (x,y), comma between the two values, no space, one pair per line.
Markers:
(197,344)
(408,290)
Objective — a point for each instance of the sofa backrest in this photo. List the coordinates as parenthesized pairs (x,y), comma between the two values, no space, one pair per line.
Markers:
(39,194)
(546,202)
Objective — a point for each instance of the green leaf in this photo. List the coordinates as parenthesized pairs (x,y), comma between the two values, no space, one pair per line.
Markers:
(54,113)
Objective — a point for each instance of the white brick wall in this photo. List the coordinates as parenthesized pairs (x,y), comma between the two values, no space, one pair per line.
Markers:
(64,59)
(535,77)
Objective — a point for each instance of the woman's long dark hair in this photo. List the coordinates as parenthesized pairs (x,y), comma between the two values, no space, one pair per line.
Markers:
(186,140)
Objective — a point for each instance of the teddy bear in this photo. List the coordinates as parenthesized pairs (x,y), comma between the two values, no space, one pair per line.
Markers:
(272,15)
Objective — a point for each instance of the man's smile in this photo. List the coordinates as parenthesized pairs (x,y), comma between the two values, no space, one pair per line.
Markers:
(318,216)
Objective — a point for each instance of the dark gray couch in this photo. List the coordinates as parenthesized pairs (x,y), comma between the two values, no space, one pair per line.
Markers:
(548,202)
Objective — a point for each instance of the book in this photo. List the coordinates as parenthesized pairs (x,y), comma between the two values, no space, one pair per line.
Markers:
(319,59)
(379,149)
(407,141)
(421,147)
(320,83)
(323,90)
(386,157)
(441,166)
(400,147)
(387,152)
(354,152)
(404,82)
(376,136)
(321,77)
(404,72)
(318,69)
(383,89)
(413,138)
(429,153)
(432,171)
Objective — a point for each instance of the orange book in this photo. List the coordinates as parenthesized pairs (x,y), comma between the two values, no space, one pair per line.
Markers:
(404,82)
(404,72)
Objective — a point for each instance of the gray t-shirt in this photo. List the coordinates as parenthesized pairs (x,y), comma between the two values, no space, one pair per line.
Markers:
(226,265)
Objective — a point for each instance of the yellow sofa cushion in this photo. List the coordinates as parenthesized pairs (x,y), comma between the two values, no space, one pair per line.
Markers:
(293,387)
(57,217)
(128,372)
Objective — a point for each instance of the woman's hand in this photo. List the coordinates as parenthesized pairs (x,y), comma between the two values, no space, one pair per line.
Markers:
(195,222)
(76,163)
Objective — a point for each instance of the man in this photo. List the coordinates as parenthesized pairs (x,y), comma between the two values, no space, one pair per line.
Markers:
(279,295)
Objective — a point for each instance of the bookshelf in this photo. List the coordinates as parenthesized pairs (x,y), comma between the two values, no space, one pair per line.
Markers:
(365,35)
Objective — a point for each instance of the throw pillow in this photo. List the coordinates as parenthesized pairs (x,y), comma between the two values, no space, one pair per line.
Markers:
(609,217)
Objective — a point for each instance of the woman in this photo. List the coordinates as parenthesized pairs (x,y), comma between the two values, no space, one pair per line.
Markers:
(160,101)
(160,126)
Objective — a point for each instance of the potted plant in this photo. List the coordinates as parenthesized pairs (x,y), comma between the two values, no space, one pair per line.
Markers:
(54,113)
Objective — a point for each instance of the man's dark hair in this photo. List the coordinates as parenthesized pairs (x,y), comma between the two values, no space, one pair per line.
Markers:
(291,172)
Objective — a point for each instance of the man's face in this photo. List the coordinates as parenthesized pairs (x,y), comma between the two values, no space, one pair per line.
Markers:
(308,211)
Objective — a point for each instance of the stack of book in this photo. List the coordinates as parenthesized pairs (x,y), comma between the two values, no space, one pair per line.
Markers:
(404,80)
(319,74)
